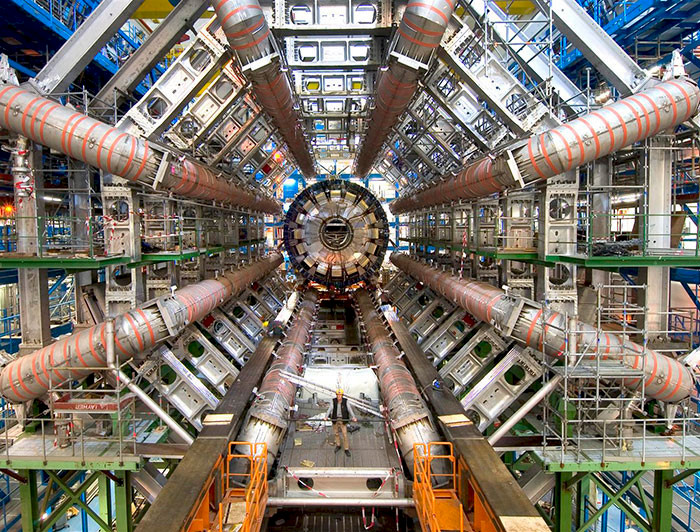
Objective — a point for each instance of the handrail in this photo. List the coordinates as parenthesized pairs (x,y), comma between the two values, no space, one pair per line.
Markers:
(432,484)
(251,489)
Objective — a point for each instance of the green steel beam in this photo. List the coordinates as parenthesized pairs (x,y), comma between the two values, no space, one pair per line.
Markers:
(648,465)
(122,502)
(95,263)
(611,500)
(73,497)
(29,501)
(663,501)
(552,260)
(105,498)
(625,506)
(127,463)
(563,503)
(680,476)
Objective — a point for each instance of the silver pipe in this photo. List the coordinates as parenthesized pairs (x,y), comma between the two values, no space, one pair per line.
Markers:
(152,405)
(249,36)
(533,401)
(663,378)
(268,416)
(278,502)
(116,152)
(408,413)
(563,148)
(136,331)
(419,33)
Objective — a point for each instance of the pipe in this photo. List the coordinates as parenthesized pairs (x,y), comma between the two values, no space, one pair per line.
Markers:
(278,502)
(420,32)
(665,378)
(408,412)
(137,331)
(152,405)
(116,152)
(566,147)
(269,414)
(533,401)
(249,36)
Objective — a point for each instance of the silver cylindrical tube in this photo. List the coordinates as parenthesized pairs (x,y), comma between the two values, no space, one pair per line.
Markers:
(665,378)
(105,147)
(248,35)
(408,412)
(568,146)
(136,331)
(269,414)
(420,32)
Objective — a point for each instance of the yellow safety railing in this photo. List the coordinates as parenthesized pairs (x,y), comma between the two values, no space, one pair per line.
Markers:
(245,489)
(435,488)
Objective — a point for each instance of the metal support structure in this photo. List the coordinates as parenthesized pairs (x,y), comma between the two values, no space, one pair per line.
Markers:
(563,148)
(33,283)
(145,57)
(249,35)
(659,176)
(136,331)
(546,331)
(420,32)
(595,44)
(79,50)
(268,417)
(408,412)
(563,503)
(122,154)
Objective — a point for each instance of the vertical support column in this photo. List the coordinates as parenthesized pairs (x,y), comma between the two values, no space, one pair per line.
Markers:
(599,177)
(122,502)
(81,228)
(29,500)
(105,498)
(658,233)
(662,512)
(29,215)
(563,503)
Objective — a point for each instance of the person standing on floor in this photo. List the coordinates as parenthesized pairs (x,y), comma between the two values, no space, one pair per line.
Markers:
(340,412)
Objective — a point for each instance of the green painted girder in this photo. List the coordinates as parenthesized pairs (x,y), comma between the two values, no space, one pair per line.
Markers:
(113,463)
(630,261)
(74,264)
(67,263)
(552,260)
(631,465)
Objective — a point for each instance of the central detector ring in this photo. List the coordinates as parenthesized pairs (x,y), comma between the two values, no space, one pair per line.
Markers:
(336,233)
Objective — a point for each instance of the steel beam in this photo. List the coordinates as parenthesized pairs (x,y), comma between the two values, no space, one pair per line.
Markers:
(147,56)
(537,64)
(595,44)
(78,51)
(509,507)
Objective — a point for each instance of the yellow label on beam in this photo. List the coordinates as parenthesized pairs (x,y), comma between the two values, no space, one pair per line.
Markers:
(156,9)
(516,7)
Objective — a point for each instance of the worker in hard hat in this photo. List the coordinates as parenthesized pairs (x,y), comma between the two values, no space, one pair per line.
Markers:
(340,412)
